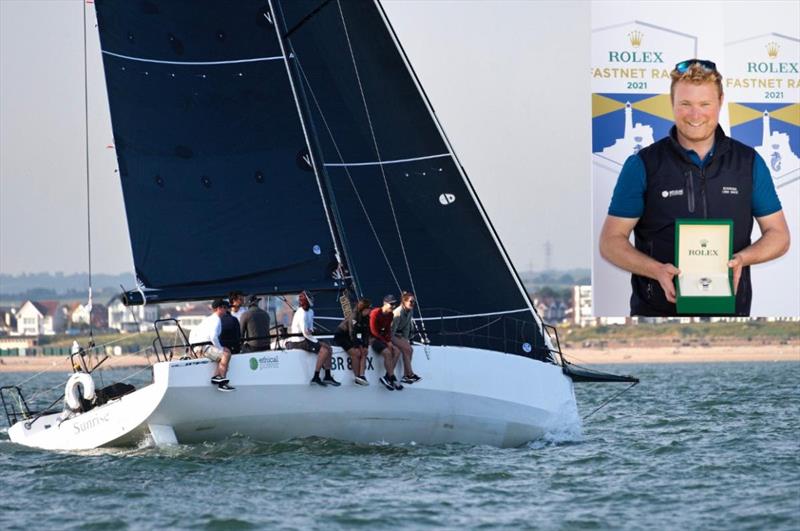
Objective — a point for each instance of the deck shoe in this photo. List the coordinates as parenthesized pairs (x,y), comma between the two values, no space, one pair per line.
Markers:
(316,380)
(360,381)
(397,385)
(386,383)
(217,380)
(408,380)
(328,380)
(415,378)
(225,388)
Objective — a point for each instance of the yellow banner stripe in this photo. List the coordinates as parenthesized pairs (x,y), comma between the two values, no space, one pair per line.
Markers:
(740,114)
(602,105)
(659,105)
(790,114)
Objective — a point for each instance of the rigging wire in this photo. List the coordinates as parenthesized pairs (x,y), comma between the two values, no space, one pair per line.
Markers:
(88,192)
(377,150)
(349,176)
(383,173)
(612,397)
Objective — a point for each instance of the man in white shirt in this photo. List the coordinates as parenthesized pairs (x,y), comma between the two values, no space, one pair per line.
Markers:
(208,332)
(303,325)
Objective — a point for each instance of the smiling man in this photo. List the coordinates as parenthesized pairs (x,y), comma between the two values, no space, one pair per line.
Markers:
(695,172)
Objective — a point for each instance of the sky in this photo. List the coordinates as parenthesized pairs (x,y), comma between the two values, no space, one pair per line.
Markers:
(508,80)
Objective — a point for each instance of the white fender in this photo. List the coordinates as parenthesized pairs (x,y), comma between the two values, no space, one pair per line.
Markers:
(71,394)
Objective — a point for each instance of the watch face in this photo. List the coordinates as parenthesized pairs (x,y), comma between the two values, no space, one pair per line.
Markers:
(705,283)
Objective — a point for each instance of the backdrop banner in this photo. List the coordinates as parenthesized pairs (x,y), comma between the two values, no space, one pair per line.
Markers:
(634,48)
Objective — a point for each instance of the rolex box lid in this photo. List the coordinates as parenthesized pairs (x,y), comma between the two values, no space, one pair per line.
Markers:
(703,248)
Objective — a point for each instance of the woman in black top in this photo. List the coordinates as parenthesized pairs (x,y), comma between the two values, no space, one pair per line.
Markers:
(353,336)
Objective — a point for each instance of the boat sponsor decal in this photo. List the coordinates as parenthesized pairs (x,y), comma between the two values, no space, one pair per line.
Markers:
(447,199)
(89,424)
(190,363)
(527,348)
(265,362)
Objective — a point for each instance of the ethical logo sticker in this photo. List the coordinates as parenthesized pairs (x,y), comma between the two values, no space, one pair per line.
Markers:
(253,364)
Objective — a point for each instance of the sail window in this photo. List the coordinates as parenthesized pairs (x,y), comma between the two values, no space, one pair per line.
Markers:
(447,199)
(527,348)
(317,250)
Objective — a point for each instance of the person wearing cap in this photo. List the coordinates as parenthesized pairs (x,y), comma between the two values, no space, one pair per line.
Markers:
(694,172)
(380,327)
(254,327)
(208,332)
(303,325)
(401,334)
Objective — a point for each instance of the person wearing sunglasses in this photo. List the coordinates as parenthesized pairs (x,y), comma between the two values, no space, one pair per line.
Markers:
(401,334)
(697,171)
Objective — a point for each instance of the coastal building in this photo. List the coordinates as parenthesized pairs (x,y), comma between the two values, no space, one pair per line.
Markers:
(40,318)
(131,318)
(8,320)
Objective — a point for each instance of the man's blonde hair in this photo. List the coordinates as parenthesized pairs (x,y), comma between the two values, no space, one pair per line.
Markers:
(697,75)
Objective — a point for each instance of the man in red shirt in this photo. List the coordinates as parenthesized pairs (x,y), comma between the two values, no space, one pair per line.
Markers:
(380,326)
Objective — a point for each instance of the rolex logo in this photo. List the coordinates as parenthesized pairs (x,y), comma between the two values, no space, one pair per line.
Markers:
(703,243)
(772,49)
(636,38)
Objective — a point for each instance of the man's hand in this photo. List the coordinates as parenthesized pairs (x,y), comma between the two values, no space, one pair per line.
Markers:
(664,274)
(736,263)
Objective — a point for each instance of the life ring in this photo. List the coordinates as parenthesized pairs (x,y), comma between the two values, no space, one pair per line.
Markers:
(72,395)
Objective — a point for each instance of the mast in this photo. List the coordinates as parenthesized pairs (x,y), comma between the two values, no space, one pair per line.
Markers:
(314,153)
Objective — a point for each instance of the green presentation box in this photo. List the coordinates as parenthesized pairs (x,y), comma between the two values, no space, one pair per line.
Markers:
(703,248)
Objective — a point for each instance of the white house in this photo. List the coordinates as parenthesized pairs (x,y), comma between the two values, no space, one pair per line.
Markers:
(39,318)
(131,318)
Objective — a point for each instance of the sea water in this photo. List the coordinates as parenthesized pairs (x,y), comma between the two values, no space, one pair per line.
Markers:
(694,446)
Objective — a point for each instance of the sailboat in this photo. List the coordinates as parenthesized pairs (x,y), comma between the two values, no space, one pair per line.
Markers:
(274,147)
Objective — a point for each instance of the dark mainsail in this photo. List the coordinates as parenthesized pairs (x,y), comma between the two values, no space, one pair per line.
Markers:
(256,137)
(212,157)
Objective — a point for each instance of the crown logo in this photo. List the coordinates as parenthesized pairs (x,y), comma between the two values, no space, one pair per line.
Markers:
(636,38)
(772,49)
(703,243)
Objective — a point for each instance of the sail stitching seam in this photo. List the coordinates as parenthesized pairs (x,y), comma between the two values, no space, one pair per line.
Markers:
(384,162)
(377,152)
(193,63)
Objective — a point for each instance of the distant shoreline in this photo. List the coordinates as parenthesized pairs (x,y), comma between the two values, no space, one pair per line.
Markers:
(580,356)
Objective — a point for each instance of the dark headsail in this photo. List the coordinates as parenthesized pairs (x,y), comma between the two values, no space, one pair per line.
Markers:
(218,187)
(213,110)
(408,215)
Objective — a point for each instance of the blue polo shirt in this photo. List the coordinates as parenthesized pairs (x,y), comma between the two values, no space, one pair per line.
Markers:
(628,198)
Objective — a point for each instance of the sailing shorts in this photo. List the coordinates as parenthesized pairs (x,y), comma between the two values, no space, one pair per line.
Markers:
(305,344)
(211,352)
(378,345)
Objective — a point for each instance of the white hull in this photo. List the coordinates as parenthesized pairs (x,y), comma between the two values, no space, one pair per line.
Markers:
(466,395)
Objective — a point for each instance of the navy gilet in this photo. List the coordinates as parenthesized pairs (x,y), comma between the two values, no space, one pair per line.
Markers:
(678,188)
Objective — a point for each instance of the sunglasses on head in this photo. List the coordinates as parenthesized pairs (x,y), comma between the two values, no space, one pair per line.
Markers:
(683,66)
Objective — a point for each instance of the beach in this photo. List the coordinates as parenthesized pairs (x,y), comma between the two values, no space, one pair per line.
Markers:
(579,355)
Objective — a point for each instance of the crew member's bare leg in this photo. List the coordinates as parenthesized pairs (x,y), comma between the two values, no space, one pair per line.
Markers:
(224,361)
(407,351)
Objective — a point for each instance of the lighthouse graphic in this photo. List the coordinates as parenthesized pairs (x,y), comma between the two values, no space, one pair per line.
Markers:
(776,151)
(634,138)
